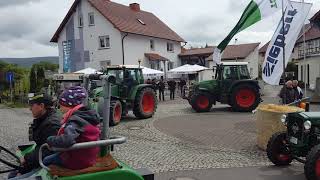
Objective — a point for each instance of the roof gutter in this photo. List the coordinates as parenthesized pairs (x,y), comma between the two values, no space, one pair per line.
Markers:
(122,43)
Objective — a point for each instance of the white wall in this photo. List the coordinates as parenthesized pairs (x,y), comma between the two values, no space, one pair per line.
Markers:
(314,65)
(253,60)
(102,27)
(136,46)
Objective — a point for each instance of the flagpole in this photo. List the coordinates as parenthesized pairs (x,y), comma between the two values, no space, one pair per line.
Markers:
(284,55)
(304,56)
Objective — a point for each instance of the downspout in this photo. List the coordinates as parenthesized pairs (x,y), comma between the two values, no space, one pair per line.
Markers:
(126,34)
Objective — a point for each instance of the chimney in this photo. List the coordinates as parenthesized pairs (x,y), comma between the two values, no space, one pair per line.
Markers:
(135,7)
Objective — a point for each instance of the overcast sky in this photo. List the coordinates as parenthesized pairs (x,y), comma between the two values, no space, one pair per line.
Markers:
(26,26)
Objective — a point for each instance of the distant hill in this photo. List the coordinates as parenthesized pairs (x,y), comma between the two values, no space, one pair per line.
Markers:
(28,62)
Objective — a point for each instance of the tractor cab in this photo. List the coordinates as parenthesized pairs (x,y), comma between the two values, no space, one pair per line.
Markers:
(126,77)
(232,71)
(66,80)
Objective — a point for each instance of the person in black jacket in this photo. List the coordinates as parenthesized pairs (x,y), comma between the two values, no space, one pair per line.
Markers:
(172,88)
(46,123)
(161,87)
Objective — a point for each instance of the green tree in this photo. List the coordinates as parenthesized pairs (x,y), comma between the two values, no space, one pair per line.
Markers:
(33,80)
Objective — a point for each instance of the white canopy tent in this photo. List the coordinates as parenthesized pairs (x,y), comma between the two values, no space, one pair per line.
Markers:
(147,72)
(187,69)
(88,71)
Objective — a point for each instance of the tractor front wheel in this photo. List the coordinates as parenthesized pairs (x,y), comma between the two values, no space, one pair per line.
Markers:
(277,150)
(145,104)
(115,112)
(201,102)
(312,166)
(245,97)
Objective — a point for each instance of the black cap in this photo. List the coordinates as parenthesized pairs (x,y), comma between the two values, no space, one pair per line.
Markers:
(40,98)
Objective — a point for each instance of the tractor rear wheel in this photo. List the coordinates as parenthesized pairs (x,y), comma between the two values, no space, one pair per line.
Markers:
(201,102)
(245,98)
(312,166)
(145,103)
(115,112)
(277,150)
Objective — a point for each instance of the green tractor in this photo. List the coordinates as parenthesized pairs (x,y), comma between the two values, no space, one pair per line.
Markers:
(232,85)
(105,168)
(128,93)
(300,142)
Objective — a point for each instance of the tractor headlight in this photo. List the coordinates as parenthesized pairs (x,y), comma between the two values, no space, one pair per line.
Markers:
(307,125)
(284,119)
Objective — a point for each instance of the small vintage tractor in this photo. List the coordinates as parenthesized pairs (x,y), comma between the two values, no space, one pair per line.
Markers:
(128,93)
(301,142)
(106,167)
(232,85)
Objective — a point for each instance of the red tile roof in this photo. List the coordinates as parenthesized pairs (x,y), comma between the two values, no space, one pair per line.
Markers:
(312,32)
(155,57)
(126,20)
(197,51)
(264,48)
(239,51)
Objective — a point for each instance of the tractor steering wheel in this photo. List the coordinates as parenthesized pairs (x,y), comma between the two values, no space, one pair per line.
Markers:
(10,159)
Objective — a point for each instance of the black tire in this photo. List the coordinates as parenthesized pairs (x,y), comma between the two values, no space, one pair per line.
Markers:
(312,166)
(277,151)
(201,102)
(115,112)
(145,103)
(245,98)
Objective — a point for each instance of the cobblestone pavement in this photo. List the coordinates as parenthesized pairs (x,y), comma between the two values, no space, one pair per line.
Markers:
(175,139)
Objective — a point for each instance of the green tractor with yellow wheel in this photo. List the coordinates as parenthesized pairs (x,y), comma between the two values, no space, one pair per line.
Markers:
(232,85)
(128,93)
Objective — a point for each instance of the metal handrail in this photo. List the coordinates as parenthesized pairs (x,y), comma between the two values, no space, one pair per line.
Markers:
(111,141)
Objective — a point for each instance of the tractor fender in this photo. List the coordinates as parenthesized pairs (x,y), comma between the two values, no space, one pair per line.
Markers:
(138,88)
(251,82)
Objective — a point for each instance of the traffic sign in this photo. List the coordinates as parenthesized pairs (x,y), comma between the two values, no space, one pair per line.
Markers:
(10,76)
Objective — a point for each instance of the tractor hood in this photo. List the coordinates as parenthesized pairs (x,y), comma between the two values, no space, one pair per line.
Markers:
(206,85)
(311,116)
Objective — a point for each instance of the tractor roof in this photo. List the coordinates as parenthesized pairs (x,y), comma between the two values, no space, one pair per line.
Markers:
(124,66)
(68,77)
(234,63)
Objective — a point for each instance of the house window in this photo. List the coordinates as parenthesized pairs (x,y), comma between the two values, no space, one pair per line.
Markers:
(105,64)
(152,44)
(104,42)
(170,47)
(91,19)
(80,21)
(155,65)
(170,65)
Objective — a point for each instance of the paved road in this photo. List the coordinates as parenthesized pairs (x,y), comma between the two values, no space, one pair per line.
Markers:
(248,173)
(178,142)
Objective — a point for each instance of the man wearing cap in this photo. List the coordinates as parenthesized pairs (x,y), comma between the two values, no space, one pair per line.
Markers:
(46,123)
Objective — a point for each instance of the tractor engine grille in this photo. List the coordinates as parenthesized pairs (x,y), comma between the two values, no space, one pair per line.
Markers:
(295,128)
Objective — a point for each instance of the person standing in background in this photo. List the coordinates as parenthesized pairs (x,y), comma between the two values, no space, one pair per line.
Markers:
(172,88)
(161,87)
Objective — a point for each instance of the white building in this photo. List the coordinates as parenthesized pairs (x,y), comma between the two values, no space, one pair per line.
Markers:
(232,53)
(97,33)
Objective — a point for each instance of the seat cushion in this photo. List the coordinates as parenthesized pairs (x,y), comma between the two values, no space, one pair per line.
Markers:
(103,164)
